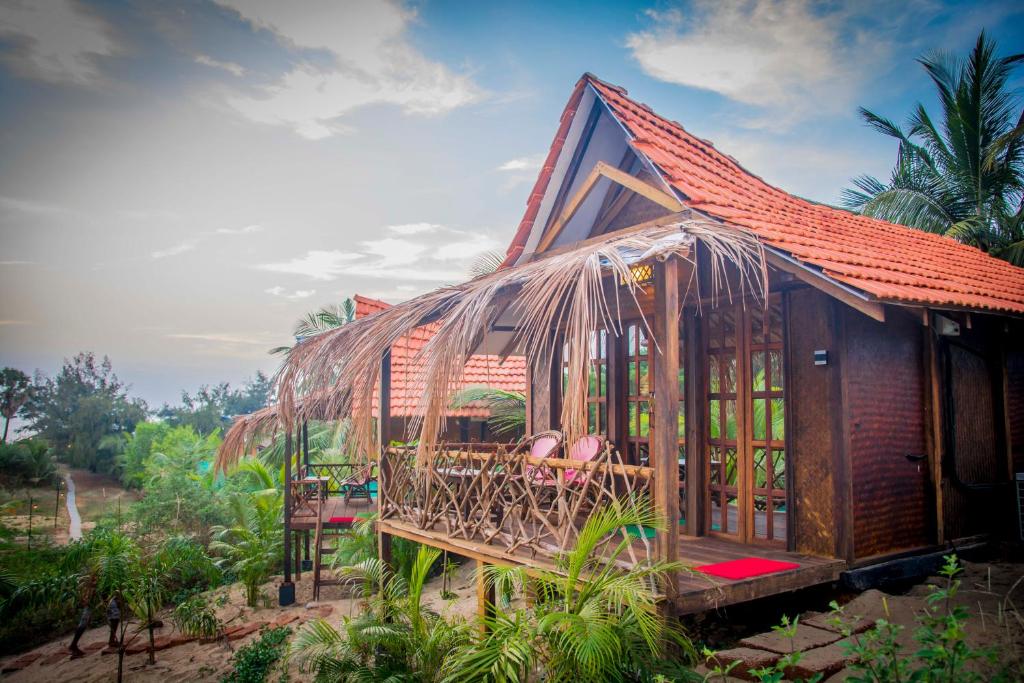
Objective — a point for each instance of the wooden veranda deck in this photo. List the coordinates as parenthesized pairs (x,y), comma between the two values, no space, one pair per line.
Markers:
(696,591)
(334,507)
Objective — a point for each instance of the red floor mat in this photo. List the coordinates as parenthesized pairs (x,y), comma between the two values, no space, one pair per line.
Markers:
(746,568)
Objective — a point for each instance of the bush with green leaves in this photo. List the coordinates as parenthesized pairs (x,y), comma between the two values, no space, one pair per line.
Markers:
(255,661)
(589,619)
(28,462)
(395,638)
(943,653)
(250,545)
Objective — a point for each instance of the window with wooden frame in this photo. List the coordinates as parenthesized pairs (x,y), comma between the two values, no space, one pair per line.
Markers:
(722,457)
(639,393)
(597,382)
(768,421)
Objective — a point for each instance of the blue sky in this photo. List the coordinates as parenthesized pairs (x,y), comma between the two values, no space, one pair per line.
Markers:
(181,181)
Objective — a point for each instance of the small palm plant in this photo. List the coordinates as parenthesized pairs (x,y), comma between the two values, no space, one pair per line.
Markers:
(395,638)
(589,620)
(251,546)
(507,408)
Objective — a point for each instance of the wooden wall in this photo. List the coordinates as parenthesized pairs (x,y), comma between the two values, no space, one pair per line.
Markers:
(813,441)
(885,420)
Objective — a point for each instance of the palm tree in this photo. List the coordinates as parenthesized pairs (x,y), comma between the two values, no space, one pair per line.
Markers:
(507,408)
(589,621)
(396,638)
(15,391)
(964,175)
(318,322)
(251,547)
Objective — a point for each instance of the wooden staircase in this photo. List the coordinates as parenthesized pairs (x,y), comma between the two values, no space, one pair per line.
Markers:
(323,534)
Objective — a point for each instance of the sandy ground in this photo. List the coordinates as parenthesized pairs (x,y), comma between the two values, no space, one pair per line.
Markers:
(196,661)
(990,592)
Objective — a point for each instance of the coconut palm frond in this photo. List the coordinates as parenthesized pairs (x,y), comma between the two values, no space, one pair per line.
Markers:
(507,409)
(486,263)
(558,291)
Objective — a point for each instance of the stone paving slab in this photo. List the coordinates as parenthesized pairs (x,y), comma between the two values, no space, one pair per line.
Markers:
(822,620)
(22,662)
(805,638)
(825,660)
(749,658)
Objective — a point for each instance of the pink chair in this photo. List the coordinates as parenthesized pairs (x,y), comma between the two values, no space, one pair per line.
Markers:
(585,449)
(540,445)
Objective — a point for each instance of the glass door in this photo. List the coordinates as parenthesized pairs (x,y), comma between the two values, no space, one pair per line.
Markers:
(745,418)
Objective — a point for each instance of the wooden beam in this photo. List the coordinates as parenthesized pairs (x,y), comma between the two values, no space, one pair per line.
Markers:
(601,169)
(872,309)
(666,409)
(384,409)
(934,426)
(695,451)
(485,596)
(667,219)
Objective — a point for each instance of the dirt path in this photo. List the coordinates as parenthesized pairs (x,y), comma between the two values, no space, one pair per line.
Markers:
(75,527)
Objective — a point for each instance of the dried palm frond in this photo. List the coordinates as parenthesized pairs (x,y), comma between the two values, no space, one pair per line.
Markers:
(558,297)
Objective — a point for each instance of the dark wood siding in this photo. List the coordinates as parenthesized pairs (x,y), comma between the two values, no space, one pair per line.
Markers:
(885,420)
(816,516)
(1015,405)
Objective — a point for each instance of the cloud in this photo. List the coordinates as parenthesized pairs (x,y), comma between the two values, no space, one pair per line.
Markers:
(316,264)
(466,248)
(530,163)
(372,61)
(394,252)
(297,294)
(176,249)
(5,323)
(247,230)
(56,41)
(794,58)
(231,67)
(414,228)
(31,206)
(16,263)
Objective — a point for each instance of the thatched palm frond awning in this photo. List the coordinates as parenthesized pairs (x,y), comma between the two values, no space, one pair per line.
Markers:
(560,291)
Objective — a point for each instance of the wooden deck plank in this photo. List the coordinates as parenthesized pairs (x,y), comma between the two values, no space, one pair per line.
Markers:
(696,592)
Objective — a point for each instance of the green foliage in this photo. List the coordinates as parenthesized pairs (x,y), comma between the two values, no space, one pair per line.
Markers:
(28,462)
(251,544)
(589,620)
(318,322)
(182,492)
(507,408)
(196,617)
(254,662)
(15,391)
(395,638)
(212,408)
(777,672)
(77,411)
(963,174)
(943,653)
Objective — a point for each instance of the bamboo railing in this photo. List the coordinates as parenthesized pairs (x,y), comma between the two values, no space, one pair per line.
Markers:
(512,501)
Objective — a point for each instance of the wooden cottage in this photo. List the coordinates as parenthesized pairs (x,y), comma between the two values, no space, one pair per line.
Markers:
(786,381)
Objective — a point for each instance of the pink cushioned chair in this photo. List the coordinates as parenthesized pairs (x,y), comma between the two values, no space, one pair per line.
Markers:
(585,449)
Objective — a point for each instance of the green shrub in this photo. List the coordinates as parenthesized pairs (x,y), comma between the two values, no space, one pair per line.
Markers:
(254,662)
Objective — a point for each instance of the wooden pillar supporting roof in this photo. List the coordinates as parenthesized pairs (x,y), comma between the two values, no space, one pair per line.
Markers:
(665,455)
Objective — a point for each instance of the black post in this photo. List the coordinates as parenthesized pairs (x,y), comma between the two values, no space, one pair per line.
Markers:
(56,506)
(307,562)
(286,593)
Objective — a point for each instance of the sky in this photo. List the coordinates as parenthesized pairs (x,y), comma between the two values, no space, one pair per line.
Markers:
(179,182)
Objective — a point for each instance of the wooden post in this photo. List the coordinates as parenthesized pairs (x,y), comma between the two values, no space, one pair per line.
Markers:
(485,596)
(286,594)
(383,439)
(666,410)
(695,403)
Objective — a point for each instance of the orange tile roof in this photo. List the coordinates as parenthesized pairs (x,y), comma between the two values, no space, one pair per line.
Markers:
(889,261)
(480,369)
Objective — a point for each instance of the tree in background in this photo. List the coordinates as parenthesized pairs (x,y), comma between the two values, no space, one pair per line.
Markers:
(76,412)
(212,408)
(15,391)
(963,175)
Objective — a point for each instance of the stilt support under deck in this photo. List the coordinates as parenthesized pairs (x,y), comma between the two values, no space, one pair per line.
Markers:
(485,596)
